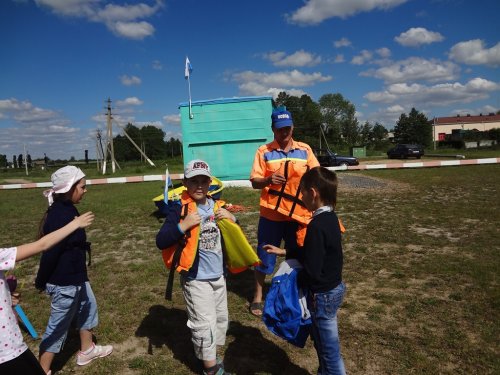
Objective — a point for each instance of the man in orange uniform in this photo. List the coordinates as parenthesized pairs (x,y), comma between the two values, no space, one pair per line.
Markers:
(277,169)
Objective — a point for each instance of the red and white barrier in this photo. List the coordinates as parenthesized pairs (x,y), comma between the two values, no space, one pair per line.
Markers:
(98,181)
(423,164)
(147,178)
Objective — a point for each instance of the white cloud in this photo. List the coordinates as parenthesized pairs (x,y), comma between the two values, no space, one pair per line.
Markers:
(366,56)
(122,20)
(72,8)
(416,36)
(362,58)
(113,13)
(40,129)
(316,11)
(157,65)
(120,117)
(130,80)
(292,92)
(383,52)
(344,42)
(388,116)
(474,52)
(13,104)
(141,124)
(173,127)
(256,88)
(172,119)
(129,101)
(339,58)
(123,113)
(443,94)
(297,59)
(415,69)
(484,110)
(26,114)
(280,79)
(132,30)
(395,109)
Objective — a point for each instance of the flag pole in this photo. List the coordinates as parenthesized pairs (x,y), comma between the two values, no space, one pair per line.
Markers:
(187,74)
(189,88)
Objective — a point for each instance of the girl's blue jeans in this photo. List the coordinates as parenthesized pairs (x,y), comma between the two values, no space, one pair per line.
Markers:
(69,303)
(323,308)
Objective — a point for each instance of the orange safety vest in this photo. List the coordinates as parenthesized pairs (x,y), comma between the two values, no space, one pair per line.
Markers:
(286,198)
(187,247)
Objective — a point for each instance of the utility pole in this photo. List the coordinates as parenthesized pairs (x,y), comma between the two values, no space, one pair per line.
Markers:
(99,150)
(109,142)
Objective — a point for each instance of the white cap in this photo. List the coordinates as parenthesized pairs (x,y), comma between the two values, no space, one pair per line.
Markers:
(62,181)
(197,167)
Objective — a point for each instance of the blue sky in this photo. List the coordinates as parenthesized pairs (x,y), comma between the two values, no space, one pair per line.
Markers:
(61,59)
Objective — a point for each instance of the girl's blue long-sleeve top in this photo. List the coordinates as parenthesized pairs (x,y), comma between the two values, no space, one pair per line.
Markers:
(64,263)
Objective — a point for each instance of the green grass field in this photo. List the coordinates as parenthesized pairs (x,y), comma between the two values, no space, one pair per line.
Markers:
(421,268)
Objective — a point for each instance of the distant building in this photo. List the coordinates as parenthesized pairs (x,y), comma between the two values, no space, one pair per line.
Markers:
(39,164)
(443,126)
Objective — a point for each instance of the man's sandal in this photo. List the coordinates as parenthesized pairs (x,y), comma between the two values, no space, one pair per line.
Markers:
(256,308)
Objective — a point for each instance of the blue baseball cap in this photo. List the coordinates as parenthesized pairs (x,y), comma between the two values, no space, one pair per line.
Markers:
(281,118)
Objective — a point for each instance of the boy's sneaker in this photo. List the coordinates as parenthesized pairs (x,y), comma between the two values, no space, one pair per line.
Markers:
(98,351)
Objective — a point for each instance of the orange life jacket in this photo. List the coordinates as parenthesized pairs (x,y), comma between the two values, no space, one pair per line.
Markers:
(286,198)
(187,247)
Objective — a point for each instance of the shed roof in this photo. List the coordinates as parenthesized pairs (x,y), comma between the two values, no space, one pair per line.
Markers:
(466,119)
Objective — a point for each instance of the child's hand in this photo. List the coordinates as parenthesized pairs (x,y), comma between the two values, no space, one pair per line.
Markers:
(190,221)
(15,299)
(274,250)
(85,220)
(224,214)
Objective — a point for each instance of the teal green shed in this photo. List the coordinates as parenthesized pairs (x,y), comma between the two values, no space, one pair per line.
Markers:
(226,133)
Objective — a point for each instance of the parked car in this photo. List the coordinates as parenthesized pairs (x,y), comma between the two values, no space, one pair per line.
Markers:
(328,158)
(405,151)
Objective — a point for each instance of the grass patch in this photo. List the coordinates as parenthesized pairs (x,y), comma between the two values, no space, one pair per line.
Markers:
(421,268)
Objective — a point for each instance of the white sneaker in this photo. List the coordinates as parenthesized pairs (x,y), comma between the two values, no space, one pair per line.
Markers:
(98,351)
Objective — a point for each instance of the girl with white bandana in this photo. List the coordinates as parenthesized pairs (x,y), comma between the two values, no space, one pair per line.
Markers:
(63,273)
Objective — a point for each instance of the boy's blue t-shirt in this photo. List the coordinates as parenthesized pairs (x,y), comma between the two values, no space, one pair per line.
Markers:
(210,264)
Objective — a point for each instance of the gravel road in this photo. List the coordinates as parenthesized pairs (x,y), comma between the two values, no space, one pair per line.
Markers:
(349,181)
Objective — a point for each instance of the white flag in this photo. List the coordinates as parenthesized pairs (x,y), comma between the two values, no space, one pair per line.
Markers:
(188,69)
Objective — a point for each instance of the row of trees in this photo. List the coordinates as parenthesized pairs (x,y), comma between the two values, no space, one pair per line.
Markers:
(335,115)
(17,161)
(150,139)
